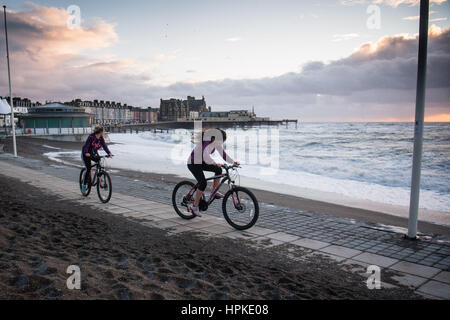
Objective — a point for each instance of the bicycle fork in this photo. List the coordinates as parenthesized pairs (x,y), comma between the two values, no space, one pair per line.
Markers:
(236,201)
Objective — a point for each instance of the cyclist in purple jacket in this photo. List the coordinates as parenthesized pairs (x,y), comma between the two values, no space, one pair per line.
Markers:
(89,153)
(200,160)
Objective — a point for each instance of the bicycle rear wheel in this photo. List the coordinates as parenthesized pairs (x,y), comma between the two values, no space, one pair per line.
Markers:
(88,186)
(104,187)
(240,208)
(181,197)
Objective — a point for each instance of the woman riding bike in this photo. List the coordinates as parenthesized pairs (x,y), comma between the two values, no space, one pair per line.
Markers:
(89,153)
(207,142)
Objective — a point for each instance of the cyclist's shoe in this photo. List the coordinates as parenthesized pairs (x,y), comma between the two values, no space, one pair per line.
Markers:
(195,210)
(83,188)
(219,195)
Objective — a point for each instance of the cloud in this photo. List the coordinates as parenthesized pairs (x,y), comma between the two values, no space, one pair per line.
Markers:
(438,19)
(411,18)
(414,18)
(375,82)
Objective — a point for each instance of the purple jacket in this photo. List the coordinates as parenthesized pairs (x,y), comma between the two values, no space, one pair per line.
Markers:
(93,144)
(202,153)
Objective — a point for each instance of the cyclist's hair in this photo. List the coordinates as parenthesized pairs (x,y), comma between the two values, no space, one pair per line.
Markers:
(98,129)
(199,137)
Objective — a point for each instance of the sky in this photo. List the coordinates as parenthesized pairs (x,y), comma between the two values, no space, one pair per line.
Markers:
(330,60)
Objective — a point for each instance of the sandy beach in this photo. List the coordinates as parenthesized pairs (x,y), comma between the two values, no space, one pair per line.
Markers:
(121,259)
(36,148)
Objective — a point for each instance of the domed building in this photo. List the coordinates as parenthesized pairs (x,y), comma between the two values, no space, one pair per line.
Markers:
(56,118)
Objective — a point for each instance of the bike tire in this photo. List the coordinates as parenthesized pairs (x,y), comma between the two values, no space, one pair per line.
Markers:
(88,187)
(108,180)
(185,215)
(224,208)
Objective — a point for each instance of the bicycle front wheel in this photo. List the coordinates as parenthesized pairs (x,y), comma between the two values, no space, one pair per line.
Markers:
(240,208)
(104,187)
(88,186)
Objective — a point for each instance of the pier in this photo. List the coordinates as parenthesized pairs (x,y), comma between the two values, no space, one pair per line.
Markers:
(164,126)
(287,121)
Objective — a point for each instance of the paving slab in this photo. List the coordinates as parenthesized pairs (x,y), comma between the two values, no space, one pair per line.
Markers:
(260,231)
(340,251)
(180,229)
(135,214)
(265,242)
(219,229)
(165,224)
(147,218)
(437,289)
(327,255)
(354,266)
(415,269)
(311,244)
(201,224)
(282,236)
(375,259)
(239,235)
(180,220)
(409,280)
(118,210)
(386,285)
(443,276)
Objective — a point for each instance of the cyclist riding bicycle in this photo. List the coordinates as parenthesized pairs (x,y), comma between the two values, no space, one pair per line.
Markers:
(89,153)
(207,142)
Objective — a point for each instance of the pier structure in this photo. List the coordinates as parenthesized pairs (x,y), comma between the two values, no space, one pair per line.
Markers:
(163,126)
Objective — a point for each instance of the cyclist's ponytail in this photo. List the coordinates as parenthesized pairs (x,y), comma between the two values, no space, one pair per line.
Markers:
(98,129)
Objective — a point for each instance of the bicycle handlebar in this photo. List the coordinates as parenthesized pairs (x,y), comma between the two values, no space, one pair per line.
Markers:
(227,167)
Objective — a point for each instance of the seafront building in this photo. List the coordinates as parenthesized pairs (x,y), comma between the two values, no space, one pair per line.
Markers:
(114,113)
(181,110)
(21,106)
(54,115)
(56,118)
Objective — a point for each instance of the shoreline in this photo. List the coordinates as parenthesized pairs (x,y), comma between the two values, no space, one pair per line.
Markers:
(35,148)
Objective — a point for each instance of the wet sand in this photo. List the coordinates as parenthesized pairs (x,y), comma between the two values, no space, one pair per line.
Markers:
(40,236)
(34,148)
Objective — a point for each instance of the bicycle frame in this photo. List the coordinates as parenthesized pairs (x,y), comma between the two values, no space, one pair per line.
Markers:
(98,169)
(226,177)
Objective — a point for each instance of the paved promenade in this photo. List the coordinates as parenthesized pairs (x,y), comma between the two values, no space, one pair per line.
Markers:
(423,265)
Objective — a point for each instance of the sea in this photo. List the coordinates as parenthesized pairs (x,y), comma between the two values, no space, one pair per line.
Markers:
(325,161)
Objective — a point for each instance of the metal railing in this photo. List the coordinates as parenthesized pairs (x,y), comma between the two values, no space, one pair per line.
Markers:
(45,131)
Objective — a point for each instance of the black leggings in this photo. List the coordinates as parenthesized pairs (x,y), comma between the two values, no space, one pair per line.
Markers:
(197,171)
(88,165)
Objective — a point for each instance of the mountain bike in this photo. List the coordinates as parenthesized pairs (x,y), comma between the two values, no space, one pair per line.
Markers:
(99,178)
(239,206)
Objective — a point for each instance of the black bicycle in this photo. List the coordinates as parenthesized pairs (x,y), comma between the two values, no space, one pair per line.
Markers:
(99,178)
(240,207)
